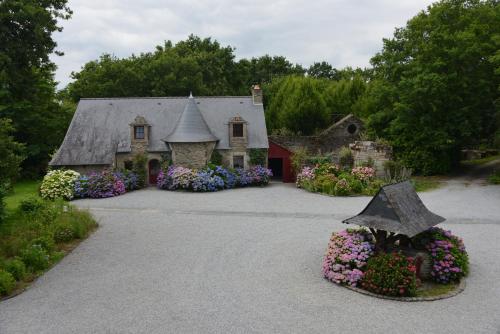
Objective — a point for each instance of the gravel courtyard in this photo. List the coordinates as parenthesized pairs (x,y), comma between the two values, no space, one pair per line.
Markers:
(246,261)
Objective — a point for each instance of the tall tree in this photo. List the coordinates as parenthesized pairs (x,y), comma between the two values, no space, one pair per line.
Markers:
(440,72)
(27,87)
(323,70)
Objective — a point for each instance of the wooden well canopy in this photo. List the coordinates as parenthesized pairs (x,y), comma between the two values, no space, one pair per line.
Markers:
(396,208)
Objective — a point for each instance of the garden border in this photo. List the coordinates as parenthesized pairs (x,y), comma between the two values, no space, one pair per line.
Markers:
(453,293)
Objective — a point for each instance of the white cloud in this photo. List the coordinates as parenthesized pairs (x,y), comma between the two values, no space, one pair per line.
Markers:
(342,32)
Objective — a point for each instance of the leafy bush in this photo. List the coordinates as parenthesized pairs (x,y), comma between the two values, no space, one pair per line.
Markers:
(258,156)
(346,256)
(342,187)
(396,172)
(58,184)
(450,261)
(16,268)
(2,203)
(63,233)
(45,242)
(346,158)
(81,187)
(298,159)
(495,177)
(35,257)
(216,158)
(30,205)
(129,179)
(139,168)
(7,282)
(391,274)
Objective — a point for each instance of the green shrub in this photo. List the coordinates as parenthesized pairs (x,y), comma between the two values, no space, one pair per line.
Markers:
(35,257)
(258,156)
(30,205)
(396,172)
(391,274)
(16,268)
(342,187)
(2,203)
(63,233)
(298,159)
(139,167)
(45,242)
(495,177)
(215,158)
(7,282)
(346,158)
(81,223)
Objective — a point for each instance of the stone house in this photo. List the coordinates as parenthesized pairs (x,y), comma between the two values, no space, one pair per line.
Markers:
(109,132)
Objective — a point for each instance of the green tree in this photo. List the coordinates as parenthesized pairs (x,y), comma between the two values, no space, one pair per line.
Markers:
(27,87)
(323,70)
(439,72)
(298,106)
(11,153)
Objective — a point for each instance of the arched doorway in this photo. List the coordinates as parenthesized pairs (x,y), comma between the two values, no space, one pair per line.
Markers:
(154,169)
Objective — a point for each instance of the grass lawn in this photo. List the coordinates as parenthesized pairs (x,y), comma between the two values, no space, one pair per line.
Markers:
(427,183)
(21,190)
(481,161)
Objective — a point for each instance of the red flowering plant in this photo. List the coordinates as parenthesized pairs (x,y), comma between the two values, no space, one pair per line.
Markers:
(391,274)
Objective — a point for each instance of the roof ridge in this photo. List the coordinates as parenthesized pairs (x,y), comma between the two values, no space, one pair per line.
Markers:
(163,97)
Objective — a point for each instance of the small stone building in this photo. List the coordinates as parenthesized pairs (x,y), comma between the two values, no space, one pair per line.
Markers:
(344,133)
(109,132)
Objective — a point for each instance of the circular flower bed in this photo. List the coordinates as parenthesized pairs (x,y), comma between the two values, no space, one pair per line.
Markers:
(212,178)
(351,260)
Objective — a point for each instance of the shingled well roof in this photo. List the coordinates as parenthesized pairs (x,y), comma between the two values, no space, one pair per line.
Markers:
(397,208)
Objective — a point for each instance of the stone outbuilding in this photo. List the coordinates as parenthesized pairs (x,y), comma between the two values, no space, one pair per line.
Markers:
(109,132)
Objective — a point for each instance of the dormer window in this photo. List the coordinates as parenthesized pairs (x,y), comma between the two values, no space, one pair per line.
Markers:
(238,130)
(139,132)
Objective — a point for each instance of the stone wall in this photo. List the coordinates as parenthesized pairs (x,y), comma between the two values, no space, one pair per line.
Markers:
(192,155)
(366,150)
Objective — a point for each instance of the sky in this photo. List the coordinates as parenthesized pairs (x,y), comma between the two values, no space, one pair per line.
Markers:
(341,32)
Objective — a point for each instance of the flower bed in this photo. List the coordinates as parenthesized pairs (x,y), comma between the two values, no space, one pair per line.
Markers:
(212,178)
(68,184)
(351,260)
(330,179)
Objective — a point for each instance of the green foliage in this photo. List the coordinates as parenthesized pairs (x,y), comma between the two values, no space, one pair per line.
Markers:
(298,159)
(391,274)
(436,83)
(16,268)
(30,204)
(139,167)
(2,204)
(34,240)
(495,177)
(27,86)
(258,156)
(35,257)
(7,283)
(395,171)
(346,158)
(12,153)
(215,158)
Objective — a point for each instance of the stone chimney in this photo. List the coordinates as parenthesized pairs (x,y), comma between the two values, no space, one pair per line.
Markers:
(257,94)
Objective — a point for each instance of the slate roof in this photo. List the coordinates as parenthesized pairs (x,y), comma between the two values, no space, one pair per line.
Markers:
(191,127)
(397,208)
(100,127)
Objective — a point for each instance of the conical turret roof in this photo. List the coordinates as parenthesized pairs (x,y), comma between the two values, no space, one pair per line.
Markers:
(191,127)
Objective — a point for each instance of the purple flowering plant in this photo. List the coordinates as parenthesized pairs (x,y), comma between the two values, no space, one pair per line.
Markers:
(450,260)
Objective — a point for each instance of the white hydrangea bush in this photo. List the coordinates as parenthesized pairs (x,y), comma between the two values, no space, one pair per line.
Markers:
(59,184)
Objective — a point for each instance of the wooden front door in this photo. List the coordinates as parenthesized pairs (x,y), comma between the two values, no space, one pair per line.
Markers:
(154,169)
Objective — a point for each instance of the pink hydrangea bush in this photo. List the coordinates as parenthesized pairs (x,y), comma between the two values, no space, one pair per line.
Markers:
(346,256)
(363,173)
(307,174)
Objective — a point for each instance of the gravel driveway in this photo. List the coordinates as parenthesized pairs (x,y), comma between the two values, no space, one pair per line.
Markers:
(246,261)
